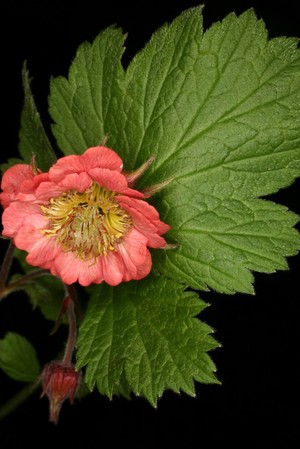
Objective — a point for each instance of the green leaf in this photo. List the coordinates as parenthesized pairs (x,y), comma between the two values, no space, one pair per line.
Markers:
(220,110)
(32,136)
(46,292)
(18,358)
(223,241)
(147,332)
(83,104)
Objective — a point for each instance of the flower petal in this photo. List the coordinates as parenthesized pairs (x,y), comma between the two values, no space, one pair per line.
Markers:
(18,214)
(67,266)
(41,249)
(91,272)
(101,157)
(64,166)
(71,268)
(145,227)
(112,268)
(133,251)
(94,157)
(145,209)
(144,269)
(76,181)
(111,180)
(14,176)
(48,190)
(28,187)
(6,199)
(133,193)
(12,180)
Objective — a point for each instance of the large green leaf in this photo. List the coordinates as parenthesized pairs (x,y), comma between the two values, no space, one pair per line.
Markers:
(220,110)
(147,332)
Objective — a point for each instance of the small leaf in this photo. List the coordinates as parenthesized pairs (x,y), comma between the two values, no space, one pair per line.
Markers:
(46,292)
(18,358)
(147,332)
(32,136)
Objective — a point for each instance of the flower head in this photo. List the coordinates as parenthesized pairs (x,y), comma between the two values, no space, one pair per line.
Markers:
(81,220)
(59,383)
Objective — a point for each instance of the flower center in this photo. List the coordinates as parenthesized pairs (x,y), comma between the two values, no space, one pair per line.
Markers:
(89,223)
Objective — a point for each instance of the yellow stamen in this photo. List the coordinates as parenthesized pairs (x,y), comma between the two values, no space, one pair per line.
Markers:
(89,223)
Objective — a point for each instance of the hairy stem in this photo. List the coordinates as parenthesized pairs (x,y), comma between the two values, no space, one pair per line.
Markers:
(13,403)
(6,265)
(19,283)
(67,360)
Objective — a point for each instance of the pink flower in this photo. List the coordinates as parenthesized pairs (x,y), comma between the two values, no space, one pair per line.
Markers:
(81,220)
(59,383)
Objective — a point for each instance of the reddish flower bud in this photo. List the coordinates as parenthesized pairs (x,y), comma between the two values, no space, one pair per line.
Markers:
(59,383)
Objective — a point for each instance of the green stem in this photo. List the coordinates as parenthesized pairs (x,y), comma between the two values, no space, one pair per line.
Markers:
(6,265)
(13,403)
(19,283)
(67,360)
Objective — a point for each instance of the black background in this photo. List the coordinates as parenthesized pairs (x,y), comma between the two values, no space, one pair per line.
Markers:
(257,403)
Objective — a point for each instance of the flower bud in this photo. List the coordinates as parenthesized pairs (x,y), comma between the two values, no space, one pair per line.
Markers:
(59,382)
